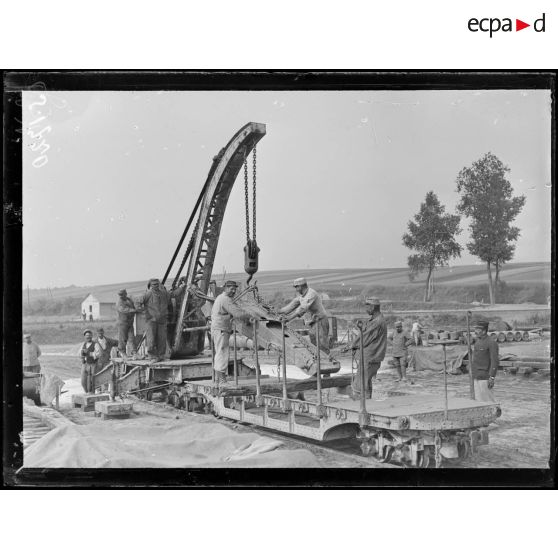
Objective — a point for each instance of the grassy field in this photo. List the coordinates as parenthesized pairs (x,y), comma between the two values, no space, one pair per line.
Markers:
(343,282)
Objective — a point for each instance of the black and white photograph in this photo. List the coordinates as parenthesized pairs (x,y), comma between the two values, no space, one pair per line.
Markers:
(350,276)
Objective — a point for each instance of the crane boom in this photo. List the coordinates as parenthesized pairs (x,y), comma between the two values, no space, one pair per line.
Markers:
(217,188)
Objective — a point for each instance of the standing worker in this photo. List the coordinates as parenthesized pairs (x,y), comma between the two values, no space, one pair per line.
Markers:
(400,343)
(156,302)
(374,340)
(415,332)
(126,311)
(105,345)
(31,354)
(484,362)
(89,352)
(308,303)
(224,308)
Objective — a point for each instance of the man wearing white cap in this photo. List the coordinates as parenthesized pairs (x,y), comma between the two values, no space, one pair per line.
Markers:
(374,339)
(89,352)
(224,308)
(308,303)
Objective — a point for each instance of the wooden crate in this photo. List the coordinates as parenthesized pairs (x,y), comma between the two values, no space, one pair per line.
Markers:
(86,401)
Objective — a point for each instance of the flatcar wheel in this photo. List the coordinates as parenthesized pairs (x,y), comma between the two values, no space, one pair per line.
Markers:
(387,452)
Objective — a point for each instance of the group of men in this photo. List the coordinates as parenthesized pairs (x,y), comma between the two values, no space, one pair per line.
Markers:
(156,302)
(484,363)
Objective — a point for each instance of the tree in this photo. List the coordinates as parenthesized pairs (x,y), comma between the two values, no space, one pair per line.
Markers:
(432,236)
(487,199)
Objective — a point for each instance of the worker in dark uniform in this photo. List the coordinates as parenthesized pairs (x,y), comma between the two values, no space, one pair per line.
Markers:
(89,352)
(126,311)
(401,340)
(105,346)
(484,362)
(374,336)
(155,302)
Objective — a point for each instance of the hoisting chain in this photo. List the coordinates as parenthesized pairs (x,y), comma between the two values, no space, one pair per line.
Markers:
(254,194)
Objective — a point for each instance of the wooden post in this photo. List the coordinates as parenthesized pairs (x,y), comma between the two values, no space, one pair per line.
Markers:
(235,355)
(284,363)
(445,384)
(470,357)
(318,364)
(362,373)
(256,357)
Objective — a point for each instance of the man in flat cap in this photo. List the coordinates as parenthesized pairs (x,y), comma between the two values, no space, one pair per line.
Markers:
(31,354)
(401,340)
(484,362)
(374,339)
(156,303)
(126,310)
(105,346)
(89,353)
(308,303)
(224,308)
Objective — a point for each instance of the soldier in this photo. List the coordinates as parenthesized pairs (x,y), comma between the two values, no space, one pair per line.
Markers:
(126,311)
(308,303)
(31,354)
(105,345)
(484,362)
(155,302)
(89,352)
(374,338)
(224,308)
(400,343)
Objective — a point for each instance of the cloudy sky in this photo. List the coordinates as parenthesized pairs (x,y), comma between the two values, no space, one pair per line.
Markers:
(339,175)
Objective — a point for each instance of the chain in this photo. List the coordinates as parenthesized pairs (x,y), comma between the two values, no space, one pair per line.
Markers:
(254,195)
(246,200)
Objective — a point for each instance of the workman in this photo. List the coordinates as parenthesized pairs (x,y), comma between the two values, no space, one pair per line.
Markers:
(89,352)
(374,340)
(484,362)
(401,340)
(126,310)
(31,354)
(308,303)
(105,346)
(415,333)
(156,302)
(224,308)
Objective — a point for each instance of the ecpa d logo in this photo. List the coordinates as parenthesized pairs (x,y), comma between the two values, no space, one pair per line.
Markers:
(492,25)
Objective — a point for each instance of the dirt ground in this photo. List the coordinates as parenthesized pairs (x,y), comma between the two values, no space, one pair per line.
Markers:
(519,438)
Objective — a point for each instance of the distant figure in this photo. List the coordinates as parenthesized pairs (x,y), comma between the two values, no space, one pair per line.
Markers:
(91,317)
(31,354)
(485,362)
(83,315)
(89,352)
(223,310)
(126,311)
(374,339)
(105,346)
(308,303)
(400,343)
(155,302)
(415,333)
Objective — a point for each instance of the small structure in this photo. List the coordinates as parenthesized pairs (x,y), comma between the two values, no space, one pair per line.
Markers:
(100,306)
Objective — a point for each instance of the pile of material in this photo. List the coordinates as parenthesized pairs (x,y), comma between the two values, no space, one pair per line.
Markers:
(160,445)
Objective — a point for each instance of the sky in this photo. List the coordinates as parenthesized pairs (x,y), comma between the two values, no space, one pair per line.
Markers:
(340,174)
